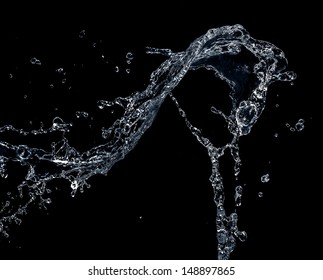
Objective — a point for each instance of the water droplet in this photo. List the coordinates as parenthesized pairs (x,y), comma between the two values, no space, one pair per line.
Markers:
(299,126)
(103,103)
(17,221)
(265,178)
(81,114)
(129,55)
(238,195)
(74,185)
(82,33)
(35,61)
(242,235)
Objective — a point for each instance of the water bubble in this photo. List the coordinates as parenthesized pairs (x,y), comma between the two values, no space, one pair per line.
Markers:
(116,69)
(51,86)
(60,70)
(265,178)
(10,76)
(260,194)
(276,135)
(127,70)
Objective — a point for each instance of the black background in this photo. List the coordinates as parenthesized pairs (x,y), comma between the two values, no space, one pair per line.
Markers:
(164,179)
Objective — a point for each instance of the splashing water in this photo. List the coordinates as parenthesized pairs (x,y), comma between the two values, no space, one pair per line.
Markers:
(220,51)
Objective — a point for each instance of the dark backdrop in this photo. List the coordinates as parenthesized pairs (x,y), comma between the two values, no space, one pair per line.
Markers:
(158,203)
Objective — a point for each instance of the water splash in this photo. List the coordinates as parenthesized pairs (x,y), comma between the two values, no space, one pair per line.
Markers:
(247,65)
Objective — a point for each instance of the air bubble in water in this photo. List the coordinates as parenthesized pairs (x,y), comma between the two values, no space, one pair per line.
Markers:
(260,194)
(116,69)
